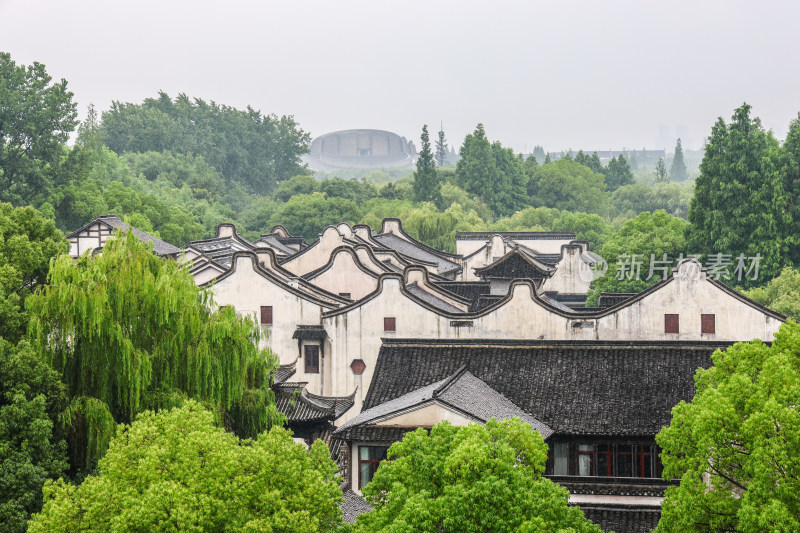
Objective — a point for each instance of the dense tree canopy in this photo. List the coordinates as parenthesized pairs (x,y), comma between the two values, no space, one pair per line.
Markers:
(129,331)
(28,241)
(781,294)
(568,185)
(36,118)
(246,147)
(177,471)
(31,448)
(640,243)
(741,205)
(469,478)
(735,446)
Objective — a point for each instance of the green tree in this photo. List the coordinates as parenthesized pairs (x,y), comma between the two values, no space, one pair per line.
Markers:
(781,294)
(28,241)
(176,471)
(31,450)
(245,146)
(538,154)
(740,203)
(475,171)
(618,173)
(309,214)
(677,171)
(296,185)
(790,222)
(128,331)
(469,478)
(734,446)
(426,180)
(441,149)
(630,251)
(661,171)
(36,118)
(570,186)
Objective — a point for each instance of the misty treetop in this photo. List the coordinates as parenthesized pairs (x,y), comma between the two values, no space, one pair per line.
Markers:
(245,146)
(36,117)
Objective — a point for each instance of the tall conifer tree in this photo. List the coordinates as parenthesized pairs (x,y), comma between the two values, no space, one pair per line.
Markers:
(441,149)
(678,172)
(426,180)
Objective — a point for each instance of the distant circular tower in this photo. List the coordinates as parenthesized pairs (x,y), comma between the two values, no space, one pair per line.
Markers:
(360,149)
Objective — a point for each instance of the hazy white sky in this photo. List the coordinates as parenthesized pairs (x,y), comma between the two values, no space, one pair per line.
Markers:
(564,74)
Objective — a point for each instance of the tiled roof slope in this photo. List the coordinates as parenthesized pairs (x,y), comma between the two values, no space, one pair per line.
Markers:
(159,247)
(578,388)
(516,264)
(623,518)
(299,405)
(353,505)
(461,391)
(413,251)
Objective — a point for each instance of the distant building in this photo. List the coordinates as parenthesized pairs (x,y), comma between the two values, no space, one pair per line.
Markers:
(94,235)
(360,149)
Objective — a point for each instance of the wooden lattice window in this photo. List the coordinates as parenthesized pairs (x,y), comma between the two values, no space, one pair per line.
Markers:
(389,323)
(671,324)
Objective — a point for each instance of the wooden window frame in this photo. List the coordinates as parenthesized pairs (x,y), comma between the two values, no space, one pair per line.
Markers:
(313,348)
(266,315)
(374,462)
(672,323)
(389,323)
(708,324)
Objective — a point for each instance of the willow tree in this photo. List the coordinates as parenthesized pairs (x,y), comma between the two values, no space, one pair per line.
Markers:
(129,331)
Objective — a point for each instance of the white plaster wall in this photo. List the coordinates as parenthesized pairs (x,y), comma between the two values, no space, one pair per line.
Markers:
(567,277)
(544,246)
(688,298)
(496,248)
(345,276)
(316,256)
(247,291)
(426,415)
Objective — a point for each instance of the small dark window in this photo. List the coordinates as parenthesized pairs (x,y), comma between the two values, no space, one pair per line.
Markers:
(266,315)
(389,324)
(312,359)
(671,324)
(708,324)
(345,295)
(369,457)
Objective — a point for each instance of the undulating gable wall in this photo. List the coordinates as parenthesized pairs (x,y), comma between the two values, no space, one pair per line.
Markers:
(346,275)
(317,254)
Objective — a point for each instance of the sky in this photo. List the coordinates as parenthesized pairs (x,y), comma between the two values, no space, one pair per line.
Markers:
(562,74)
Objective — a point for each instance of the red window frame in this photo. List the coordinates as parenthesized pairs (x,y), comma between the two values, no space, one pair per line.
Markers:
(606,451)
(672,323)
(311,356)
(379,452)
(389,323)
(708,323)
(266,315)
(590,454)
(624,459)
(644,456)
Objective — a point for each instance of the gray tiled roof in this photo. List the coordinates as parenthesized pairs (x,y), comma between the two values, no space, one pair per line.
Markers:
(430,299)
(461,391)
(576,387)
(352,506)
(159,247)
(272,241)
(409,249)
